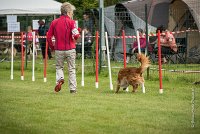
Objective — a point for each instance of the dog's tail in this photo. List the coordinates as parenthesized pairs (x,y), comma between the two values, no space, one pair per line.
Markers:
(145,63)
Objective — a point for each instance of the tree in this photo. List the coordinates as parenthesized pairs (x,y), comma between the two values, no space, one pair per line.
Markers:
(83,5)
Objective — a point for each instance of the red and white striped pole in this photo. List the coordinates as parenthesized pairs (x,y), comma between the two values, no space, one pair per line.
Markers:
(97,59)
(45,61)
(22,56)
(124,46)
(159,63)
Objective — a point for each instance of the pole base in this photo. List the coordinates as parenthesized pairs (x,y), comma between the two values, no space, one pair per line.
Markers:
(45,79)
(161,91)
(11,77)
(82,83)
(33,78)
(111,86)
(97,85)
(143,88)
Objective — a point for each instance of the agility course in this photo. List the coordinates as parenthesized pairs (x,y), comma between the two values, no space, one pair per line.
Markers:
(32,102)
(32,106)
(123,37)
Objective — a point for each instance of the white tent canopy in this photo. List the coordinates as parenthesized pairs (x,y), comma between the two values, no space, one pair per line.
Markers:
(29,7)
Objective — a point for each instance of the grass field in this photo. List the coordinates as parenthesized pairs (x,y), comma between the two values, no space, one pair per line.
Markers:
(33,108)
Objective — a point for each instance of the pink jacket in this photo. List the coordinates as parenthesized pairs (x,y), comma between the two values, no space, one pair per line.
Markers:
(168,40)
(65,32)
(142,44)
(30,36)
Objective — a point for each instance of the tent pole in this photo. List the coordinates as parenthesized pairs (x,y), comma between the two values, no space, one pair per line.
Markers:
(146,20)
(102,39)
(26,39)
(186,41)
(147,38)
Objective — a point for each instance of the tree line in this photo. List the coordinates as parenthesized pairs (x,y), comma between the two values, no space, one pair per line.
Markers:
(84,5)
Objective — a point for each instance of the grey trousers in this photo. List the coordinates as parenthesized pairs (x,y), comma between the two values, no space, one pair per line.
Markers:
(70,57)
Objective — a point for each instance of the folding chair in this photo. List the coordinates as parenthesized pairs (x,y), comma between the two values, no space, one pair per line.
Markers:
(182,50)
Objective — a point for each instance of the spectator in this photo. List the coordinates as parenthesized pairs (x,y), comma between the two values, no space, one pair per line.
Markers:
(134,48)
(167,42)
(29,38)
(88,22)
(65,33)
(88,43)
(42,32)
(29,41)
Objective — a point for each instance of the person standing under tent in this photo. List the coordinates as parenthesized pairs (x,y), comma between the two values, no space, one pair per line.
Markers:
(88,42)
(88,22)
(42,32)
(65,33)
(29,37)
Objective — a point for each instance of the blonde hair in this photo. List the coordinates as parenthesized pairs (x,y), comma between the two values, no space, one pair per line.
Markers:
(29,28)
(67,7)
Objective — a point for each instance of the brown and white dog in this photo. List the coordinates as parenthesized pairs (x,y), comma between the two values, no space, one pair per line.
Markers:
(132,75)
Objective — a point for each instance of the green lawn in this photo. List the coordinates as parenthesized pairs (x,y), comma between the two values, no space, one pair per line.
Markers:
(33,108)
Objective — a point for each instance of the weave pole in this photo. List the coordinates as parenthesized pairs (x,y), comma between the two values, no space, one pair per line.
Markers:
(159,62)
(124,50)
(108,58)
(97,59)
(22,56)
(45,61)
(82,81)
(138,42)
(12,56)
(33,63)
(139,51)
(146,49)
(124,46)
